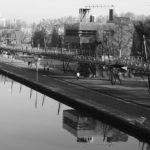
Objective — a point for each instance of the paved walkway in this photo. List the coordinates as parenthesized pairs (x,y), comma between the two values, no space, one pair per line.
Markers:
(134,90)
(128,102)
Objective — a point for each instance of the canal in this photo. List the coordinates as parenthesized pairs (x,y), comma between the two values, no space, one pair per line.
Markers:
(30,120)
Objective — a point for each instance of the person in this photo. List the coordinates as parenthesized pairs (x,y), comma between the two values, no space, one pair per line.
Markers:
(29,63)
(78,75)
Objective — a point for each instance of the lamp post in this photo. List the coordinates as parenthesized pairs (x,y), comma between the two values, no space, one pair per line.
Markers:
(145,49)
(61,50)
(37,68)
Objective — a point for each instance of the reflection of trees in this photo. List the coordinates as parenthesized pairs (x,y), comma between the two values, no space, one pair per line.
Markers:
(36,98)
(143,146)
(12,83)
(20,88)
(110,134)
(31,92)
(59,107)
(85,128)
(43,100)
(105,129)
(5,80)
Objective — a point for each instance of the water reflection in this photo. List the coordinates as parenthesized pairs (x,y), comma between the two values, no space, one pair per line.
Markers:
(4,79)
(59,107)
(144,146)
(36,99)
(43,100)
(85,128)
(52,125)
(20,89)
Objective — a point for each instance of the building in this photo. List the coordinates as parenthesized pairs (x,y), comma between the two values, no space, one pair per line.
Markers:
(2,21)
(85,35)
(11,36)
(80,35)
(92,39)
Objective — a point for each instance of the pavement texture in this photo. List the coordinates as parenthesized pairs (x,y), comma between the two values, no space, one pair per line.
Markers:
(127,103)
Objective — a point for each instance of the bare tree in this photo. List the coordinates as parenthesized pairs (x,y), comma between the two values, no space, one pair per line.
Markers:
(123,36)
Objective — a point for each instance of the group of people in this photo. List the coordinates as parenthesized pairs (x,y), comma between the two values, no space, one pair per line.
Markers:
(114,73)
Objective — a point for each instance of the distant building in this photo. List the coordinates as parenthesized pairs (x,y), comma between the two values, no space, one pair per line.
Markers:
(12,37)
(26,30)
(2,21)
(114,37)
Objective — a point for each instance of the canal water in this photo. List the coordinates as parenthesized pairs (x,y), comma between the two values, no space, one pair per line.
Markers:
(30,120)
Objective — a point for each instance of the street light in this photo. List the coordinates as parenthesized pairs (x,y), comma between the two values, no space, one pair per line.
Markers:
(37,68)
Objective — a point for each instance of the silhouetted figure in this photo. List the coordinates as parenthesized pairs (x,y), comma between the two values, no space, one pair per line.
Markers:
(115,72)
(29,64)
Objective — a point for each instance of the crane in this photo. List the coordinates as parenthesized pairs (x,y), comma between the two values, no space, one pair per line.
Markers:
(99,6)
(84,11)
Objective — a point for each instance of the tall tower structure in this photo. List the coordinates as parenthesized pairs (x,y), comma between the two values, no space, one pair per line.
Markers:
(84,12)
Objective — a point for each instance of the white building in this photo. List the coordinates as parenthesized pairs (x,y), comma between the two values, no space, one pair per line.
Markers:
(2,21)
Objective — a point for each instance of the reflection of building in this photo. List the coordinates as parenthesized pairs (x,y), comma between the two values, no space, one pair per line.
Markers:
(116,136)
(85,128)
(79,125)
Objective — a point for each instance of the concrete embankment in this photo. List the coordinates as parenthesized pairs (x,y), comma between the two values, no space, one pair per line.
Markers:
(127,116)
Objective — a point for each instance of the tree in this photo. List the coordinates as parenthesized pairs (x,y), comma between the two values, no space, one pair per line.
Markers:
(55,38)
(123,37)
(38,38)
(142,28)
(129,15)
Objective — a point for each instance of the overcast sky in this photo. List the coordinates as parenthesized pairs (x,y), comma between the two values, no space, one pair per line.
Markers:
(35,10)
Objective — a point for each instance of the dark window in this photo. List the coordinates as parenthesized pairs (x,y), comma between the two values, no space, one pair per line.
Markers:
(71,32)
(87,32)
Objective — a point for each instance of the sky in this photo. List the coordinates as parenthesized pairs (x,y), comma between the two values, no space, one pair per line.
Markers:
(36,10)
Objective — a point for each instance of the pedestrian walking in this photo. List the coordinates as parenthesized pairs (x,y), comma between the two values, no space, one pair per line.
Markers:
(78,75)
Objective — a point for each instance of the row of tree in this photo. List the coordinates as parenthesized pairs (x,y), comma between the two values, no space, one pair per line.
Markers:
(127,38)
(47,32)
